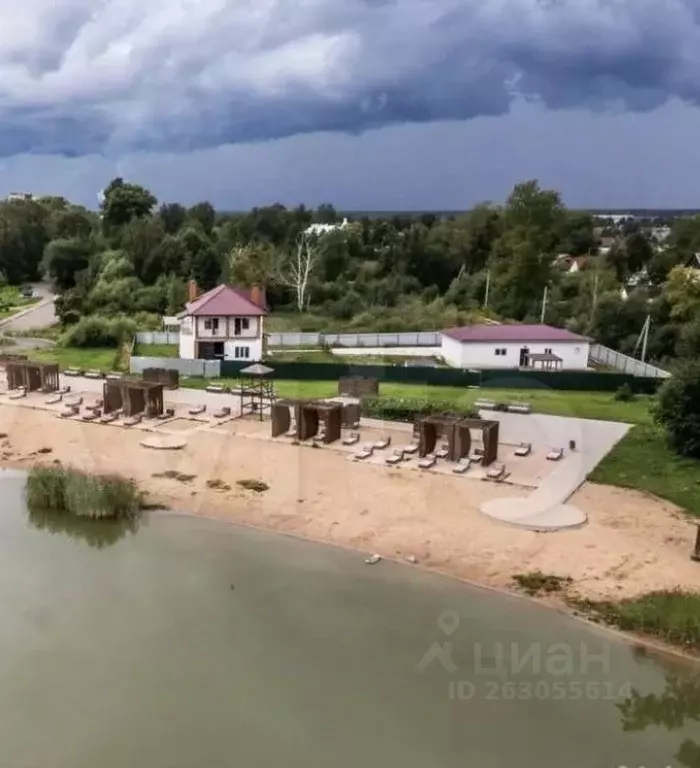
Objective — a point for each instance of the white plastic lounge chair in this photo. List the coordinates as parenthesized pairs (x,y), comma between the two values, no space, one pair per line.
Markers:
(555,454)
(428,462)
(351,439)
(63,390)
(380,445)
(94,374)
(519,408)
(197,410)
(393,459)
(410,449)
(496,472)
(133,420)
(443,453)
(222,413)
(524,449)
(91,415)
(72,372)
(53,400)
(19,393)
(70,411)
(168,413)
(487,405)
(108,418)
(78,401)
(361,455)
(476,456)
(462,466)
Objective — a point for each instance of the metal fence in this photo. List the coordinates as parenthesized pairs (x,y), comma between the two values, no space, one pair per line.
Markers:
(157,337)
(209,369)
(407,339)
(606,356)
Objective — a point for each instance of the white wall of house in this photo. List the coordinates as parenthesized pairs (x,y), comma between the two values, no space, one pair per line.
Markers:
(574,354)
(243,340)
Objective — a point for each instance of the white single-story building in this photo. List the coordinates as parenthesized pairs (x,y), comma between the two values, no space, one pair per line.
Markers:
(539,347)
(225,323)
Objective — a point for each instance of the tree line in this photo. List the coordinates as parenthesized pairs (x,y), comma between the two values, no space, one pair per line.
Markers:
(131,260)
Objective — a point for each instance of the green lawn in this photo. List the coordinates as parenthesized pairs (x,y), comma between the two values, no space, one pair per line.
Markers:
(12,302)
(643,461)
(97,358)
(156,350)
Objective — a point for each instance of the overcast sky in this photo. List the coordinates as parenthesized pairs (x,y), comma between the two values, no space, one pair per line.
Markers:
(367,104)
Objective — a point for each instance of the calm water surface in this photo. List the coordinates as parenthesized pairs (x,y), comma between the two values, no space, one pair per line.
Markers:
(137,651)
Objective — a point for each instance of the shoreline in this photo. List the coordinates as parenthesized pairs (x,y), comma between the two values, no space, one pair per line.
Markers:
(633,544)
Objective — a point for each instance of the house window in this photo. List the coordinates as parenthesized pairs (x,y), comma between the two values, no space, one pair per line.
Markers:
(241,353)
(212,324)
(240,324)
(548,350)
(500,351)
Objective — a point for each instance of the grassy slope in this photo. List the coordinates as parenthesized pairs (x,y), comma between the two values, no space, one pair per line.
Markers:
(643,461)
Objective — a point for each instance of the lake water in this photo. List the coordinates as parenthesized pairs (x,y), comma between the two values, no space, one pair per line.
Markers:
(196,644)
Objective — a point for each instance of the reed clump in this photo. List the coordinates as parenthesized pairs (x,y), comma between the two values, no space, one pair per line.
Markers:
(66,491)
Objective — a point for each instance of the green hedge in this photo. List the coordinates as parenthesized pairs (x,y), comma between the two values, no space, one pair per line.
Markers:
(405,409)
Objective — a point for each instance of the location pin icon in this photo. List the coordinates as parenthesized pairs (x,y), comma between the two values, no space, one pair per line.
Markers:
(448,621)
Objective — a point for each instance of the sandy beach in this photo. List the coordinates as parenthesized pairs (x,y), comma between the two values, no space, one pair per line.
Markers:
(632,543)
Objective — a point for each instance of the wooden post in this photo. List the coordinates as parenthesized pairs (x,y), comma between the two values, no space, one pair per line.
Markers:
(696,553)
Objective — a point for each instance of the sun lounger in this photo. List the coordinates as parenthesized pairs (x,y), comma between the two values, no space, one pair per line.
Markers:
(443,453)
(94,406)
(380,445)
(462,466)
(113,376)
(487,405)
(53,400)
(222,413)
(217,388)
(108,418)
(555,454)
(428,462)
(476,456)
(410,449)
(363,454)
(168,413)
(134,420)
(291,432)
(94,374)
(496,472)
(524,449)
(197,410)
(72,372)
(92,415)
(70,411)
(16,395)
(78,401)
(393,459)
(63,390)
(519,408)
(351,439)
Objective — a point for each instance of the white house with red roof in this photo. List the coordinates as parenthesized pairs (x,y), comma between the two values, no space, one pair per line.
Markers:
(539,347)
(225,323)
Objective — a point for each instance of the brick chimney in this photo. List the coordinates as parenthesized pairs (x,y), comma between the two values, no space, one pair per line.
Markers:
(257,296)
(192,291)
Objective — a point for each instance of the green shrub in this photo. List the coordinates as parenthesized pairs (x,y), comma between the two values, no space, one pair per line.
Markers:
(678,409)
(624,394)
(67,491)
(99,331)
(405,409)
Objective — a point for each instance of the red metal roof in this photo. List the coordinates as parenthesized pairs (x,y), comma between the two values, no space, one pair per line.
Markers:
(515,332)
(224,301)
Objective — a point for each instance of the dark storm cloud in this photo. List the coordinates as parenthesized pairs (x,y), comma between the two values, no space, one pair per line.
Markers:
(84,76)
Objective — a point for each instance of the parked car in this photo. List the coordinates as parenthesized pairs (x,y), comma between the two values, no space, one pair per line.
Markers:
(27,291)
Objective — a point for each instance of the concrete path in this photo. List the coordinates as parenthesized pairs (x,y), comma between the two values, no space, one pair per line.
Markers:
(546,509)
(39,315)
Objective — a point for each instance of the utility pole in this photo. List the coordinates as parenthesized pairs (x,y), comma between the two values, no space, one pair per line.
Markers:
(544,305)
(486,293)
(595,292)
(647,323)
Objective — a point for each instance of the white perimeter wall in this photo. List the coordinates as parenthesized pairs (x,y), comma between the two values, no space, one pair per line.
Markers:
(574,355)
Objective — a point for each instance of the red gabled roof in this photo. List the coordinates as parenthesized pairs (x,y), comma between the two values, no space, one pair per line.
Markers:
(515,332)
(223,301)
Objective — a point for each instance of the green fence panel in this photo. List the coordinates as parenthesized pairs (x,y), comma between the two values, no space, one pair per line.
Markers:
(585,381)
